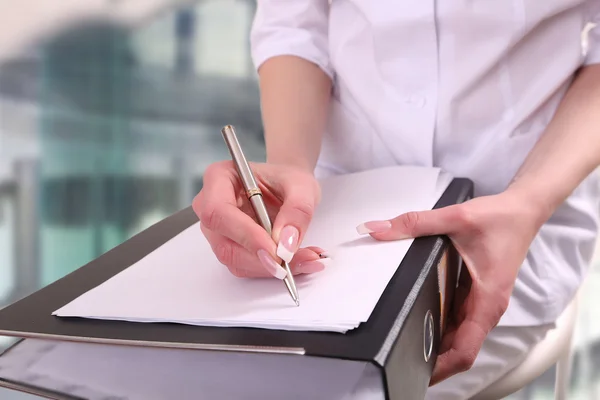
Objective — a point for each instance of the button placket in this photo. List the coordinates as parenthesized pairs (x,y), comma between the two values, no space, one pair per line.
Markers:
(417,101)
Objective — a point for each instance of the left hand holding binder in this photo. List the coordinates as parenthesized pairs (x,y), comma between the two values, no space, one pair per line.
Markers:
(492,235)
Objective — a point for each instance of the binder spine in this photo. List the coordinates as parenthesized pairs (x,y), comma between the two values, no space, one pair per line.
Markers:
(409,352)
(411,349)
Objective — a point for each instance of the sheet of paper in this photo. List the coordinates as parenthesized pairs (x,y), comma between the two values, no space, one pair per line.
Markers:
(183,282)
(137,373)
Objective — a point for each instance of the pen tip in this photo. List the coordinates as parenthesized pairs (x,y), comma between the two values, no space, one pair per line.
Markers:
(297,303)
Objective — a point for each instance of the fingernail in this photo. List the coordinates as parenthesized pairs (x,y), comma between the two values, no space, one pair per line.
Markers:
(373,227)
(288,243)
(324,254)
(310,267)
(270,265)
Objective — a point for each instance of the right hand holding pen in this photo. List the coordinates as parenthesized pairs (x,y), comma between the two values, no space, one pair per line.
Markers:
(238,240)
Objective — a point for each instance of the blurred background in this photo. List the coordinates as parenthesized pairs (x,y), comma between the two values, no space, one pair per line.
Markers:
(110,111)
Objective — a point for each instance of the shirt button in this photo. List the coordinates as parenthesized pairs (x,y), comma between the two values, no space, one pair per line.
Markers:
(417,101)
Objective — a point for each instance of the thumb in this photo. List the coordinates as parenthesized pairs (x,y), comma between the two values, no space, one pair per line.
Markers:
(413,224)
(294,217)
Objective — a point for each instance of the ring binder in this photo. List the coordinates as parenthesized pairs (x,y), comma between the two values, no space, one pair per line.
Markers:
(400,339)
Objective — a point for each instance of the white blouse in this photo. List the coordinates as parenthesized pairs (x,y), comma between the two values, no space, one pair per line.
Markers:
(464,85)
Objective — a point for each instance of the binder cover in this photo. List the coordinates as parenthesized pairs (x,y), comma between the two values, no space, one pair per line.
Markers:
(400,338)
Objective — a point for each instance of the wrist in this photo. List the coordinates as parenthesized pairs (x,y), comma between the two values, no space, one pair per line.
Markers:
(291,160)
(535,201)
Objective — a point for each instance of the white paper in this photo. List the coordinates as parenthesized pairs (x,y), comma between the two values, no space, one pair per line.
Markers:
(183,282)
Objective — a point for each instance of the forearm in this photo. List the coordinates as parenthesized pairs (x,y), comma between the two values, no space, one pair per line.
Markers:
(568,151)
(295,95)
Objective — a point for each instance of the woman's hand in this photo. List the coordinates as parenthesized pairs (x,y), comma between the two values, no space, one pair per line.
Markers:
(492,235)
(239,242)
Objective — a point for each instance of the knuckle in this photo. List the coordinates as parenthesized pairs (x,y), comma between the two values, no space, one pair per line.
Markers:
(214,169)
(317,191)
(466,218)
(306,186)
(225,254)
(500,298)
(197,204)
(409,222)
(210,172)
(210,216)
(466,361)
(304,209)
(501,308)
(206,232)
(238,273)
(504,302)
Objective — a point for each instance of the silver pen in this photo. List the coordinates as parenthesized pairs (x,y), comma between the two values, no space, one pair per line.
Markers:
(254,195)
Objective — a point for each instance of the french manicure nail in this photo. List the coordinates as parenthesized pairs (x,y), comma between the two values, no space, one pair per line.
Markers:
(288,243)
(324,254)
(270,265)
(373,227)
(310,267)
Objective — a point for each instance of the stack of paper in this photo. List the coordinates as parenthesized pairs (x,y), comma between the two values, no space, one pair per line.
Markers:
(183,282)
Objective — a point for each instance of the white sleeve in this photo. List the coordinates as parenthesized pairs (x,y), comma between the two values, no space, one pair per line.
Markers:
(297,27)
(593,36)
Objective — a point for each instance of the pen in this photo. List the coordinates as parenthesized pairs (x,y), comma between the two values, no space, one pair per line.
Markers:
(254,195)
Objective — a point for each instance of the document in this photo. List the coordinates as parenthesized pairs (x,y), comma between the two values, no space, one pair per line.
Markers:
(183,282)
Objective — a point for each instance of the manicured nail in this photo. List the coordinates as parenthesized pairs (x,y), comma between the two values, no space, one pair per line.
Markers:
(373,227)
(270,265)
(310,267)
(288,243)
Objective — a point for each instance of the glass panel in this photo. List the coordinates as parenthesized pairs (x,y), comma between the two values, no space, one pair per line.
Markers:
(130,120)
(7,278)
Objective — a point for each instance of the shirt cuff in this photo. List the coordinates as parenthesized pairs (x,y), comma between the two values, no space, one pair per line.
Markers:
(291,42)
(592,41)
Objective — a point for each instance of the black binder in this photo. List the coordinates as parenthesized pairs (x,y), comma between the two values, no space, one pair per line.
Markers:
(400,338)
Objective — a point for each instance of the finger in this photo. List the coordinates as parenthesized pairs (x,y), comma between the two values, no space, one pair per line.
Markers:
(448,338)
(414,224)
(455,318)
(461,294)
(243,264)
(219,181)
(309,261)
(458,313)
(300,195)
(462,352)
(479,319)
(218,212)
(238,260)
